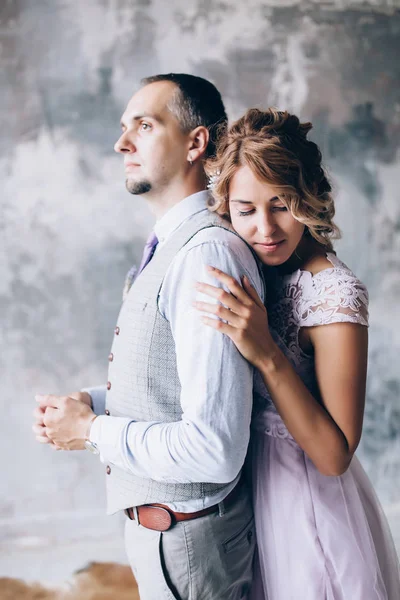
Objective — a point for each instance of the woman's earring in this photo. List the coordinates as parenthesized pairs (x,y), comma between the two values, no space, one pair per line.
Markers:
(190,162)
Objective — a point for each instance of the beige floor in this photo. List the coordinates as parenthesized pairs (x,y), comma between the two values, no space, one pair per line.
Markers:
(50,552)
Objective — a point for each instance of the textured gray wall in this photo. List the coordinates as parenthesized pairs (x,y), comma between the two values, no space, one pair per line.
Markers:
(70,231)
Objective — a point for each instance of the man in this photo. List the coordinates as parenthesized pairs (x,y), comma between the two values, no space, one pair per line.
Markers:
(174,417)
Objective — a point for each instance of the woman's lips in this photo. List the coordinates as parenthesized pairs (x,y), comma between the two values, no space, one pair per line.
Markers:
(269,248)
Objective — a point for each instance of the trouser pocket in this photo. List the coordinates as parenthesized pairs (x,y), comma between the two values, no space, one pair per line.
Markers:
(242,539)
(165,575)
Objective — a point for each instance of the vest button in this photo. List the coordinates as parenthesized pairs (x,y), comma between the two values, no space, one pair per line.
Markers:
(107,412)
(117,330)
(111,357)
(109,385)
(108,470)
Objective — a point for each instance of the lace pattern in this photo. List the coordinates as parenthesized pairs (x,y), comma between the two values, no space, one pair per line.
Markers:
(333,295)
(270,423)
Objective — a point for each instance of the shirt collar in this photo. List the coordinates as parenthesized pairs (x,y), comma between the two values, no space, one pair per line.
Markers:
(180,213)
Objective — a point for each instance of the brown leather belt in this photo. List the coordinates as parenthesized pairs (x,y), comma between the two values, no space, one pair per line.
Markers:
(160,517)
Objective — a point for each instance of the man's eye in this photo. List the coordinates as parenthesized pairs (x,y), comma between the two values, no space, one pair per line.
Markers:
(145,126)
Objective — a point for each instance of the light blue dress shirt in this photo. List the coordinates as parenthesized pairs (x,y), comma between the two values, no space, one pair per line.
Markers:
(209,443)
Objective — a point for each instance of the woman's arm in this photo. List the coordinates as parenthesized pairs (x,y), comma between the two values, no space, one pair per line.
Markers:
(328,432)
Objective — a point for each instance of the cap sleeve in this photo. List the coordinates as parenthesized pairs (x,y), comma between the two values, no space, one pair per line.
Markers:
(333,296)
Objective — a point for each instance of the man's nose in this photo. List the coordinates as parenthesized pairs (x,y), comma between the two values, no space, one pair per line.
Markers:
(124,144)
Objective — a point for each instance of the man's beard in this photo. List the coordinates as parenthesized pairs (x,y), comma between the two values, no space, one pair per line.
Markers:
(138,187)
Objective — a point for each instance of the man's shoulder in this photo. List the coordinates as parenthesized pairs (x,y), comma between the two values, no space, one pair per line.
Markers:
(220,244)
(222,248)
(217,234)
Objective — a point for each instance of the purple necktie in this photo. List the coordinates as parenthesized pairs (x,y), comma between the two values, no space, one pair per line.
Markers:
(146,258)
(148,251)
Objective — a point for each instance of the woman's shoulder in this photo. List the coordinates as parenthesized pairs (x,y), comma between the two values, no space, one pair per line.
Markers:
(326,269)
(319,263)
(331,292)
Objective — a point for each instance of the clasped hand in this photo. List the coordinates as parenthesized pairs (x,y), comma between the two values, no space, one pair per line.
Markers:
(63,422)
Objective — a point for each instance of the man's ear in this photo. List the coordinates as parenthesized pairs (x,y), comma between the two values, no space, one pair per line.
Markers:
(199,138)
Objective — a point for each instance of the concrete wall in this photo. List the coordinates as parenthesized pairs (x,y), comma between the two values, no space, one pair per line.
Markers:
(70,231)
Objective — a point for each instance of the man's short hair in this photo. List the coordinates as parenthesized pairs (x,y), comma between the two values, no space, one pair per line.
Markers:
(196,103)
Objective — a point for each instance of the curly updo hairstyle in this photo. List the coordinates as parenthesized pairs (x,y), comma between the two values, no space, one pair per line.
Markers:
(274,145)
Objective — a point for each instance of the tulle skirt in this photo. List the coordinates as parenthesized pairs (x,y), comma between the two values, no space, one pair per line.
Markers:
(319,537)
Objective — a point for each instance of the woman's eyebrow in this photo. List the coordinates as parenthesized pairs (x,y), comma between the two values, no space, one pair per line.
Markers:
(274,199)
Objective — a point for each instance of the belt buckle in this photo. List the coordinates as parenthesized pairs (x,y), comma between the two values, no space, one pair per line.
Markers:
(164,521)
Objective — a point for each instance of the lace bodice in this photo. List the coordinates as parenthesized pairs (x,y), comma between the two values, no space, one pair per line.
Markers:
(301,299)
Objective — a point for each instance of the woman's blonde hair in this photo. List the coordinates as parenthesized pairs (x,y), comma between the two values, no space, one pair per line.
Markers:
(274,145)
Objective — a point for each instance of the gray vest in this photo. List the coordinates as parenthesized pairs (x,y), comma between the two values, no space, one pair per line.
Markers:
(143,373)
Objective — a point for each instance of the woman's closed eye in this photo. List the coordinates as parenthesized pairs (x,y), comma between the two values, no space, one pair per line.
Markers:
(243,213)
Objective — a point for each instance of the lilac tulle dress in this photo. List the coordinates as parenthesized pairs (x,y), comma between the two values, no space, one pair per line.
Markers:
(319,537)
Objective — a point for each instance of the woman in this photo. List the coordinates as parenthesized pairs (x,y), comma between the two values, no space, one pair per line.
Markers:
(321,532)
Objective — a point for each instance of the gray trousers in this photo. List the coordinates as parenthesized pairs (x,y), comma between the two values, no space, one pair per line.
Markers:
(209,558)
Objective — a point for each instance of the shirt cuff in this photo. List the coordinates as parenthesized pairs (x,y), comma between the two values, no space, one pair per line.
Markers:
(98,396)
(106,433)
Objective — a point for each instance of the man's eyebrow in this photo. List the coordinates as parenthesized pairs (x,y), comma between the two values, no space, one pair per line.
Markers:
(140,116)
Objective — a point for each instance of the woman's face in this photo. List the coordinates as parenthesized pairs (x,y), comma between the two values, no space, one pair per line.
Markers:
(262,219)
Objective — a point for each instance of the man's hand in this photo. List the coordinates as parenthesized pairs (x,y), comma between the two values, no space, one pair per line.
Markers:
(63,421)
(39,427)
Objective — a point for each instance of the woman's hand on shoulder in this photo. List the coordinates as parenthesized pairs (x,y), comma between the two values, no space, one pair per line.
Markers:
(241,315)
